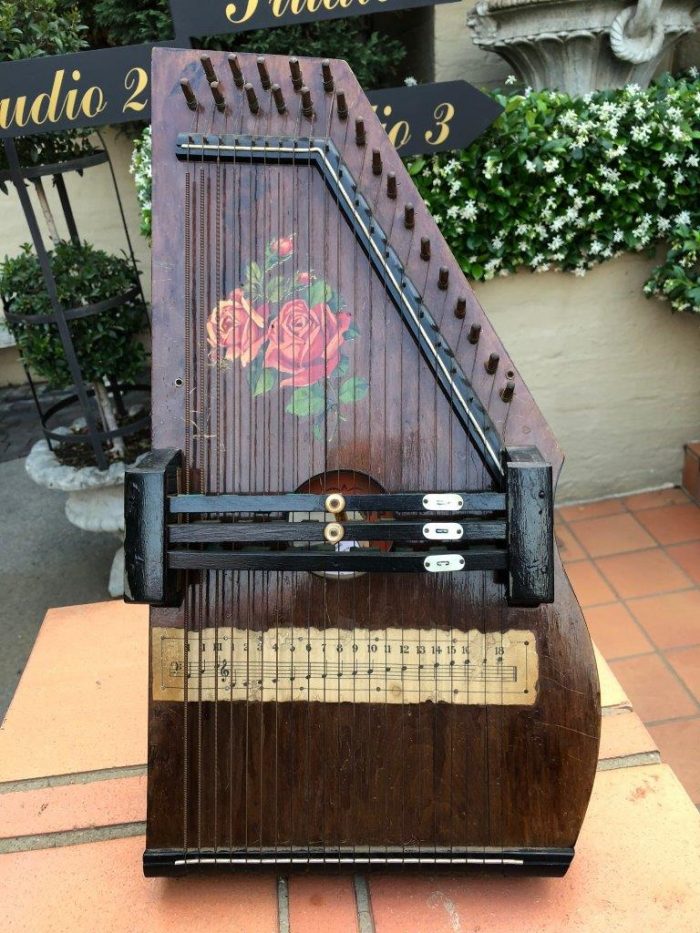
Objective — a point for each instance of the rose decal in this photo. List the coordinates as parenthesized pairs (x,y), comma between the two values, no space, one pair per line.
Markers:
(236,328)
(289,331)
(304,343)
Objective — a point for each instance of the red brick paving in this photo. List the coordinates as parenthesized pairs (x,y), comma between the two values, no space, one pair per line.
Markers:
(635,565)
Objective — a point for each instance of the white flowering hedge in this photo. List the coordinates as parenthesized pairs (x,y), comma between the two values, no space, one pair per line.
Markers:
(141,170)
(562,182)
(566,183)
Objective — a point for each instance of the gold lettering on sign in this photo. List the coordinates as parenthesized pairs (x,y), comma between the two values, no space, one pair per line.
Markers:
(136,78)
(399,132)
(50,106)
(346,666)
(236,13)
(443,113)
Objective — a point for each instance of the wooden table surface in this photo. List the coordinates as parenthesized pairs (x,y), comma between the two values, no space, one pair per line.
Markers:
(72,808)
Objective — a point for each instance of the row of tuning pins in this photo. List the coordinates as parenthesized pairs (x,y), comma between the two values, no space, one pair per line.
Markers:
(296,76)
(492,363)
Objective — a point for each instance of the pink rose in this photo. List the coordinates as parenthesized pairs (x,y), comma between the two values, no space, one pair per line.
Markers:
(305,342)
(236,327)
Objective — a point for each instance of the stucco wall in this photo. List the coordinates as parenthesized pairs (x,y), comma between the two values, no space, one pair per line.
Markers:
(94,206)
(616,375)
(456,56)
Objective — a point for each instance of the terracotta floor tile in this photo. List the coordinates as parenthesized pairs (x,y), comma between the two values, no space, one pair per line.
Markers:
(636,867)
(615,632)
(679,744)
(575,513)
(673,524)
(569,548)
(687,556)
(82,700)
(73,806)
(671,620)
(642,573)
(589,586)
(100,886)
(654,691)
(318,902)
(686,663)
(655,499)
(613,698)
(623,737)
(613,534)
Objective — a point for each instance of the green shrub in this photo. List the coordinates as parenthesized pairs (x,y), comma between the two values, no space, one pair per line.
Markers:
(30,30)
(566,183)
(105,344)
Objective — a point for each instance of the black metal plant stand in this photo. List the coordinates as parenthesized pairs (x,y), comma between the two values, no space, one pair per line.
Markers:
(95,436)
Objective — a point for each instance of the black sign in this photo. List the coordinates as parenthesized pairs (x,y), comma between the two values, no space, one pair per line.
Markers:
(205,17)
(429,118)
(40,95)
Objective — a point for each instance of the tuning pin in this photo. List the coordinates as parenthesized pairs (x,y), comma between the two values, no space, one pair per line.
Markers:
(278,98)
(252,97)
(328,83)
(264,74)
(461,307)
(238,78)
(189,93)
(208,68)
(307,106)
(409,218)
(491,364)
(474,333)
(376,162)
(391,186)
(508,390)
(443,278)
(218,96)
(295,69)
(342,105)
(424,248)
(360,138)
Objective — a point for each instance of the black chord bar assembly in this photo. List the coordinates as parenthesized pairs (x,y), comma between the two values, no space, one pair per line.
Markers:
(406,532)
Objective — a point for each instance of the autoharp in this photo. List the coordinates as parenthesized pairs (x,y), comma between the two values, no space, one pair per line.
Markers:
(363,648)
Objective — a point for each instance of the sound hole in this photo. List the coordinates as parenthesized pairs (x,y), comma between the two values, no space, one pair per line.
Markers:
(345,482)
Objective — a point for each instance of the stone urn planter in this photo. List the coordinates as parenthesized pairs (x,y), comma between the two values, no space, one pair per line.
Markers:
(576,46)
(95,498)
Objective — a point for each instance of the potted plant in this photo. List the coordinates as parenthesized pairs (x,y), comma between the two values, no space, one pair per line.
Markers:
(105,334)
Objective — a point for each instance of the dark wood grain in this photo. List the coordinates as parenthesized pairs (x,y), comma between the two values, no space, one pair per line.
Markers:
(337,775)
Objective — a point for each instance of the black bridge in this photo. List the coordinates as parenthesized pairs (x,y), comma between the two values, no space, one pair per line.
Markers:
(168,532)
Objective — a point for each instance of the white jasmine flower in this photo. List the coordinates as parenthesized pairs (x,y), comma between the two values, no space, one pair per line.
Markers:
(469,211)
(678,178)
(663,224)
(618,235)
(453,211)
(692,161)
(530,166)
(511,79)
(496,243)
(669,159)
(556,243)
(551,165)
(521,229)
(682,218)
(595,247)
(559,180)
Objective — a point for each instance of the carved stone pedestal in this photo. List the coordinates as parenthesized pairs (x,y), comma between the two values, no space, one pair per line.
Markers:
(578,46)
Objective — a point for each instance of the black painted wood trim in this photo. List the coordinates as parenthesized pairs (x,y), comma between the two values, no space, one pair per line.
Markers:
(530,513)
(147,578)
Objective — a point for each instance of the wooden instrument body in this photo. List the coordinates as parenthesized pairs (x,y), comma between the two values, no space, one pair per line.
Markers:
(338,779)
